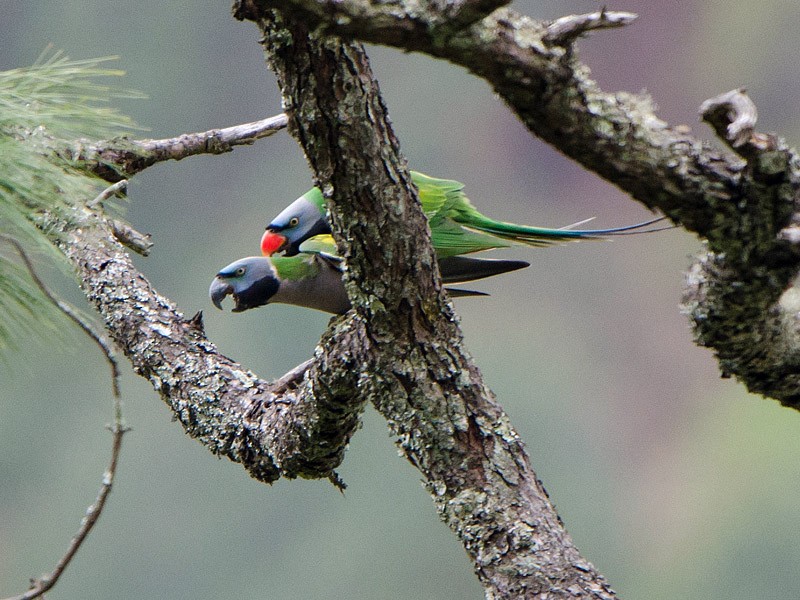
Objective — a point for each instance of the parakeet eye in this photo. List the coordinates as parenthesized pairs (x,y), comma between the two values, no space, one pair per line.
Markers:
(240,271)
(293,222)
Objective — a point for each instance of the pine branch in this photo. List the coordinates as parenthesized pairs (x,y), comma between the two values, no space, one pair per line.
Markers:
(55,97)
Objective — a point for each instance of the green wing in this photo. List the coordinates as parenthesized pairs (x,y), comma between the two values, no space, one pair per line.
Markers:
(451,239)
(321,244)
(446,206)
(436,194)
(457,227)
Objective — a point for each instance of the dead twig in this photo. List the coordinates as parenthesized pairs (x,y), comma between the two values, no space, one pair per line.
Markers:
(733,117)
(122,158)
(564,31)
(44,583)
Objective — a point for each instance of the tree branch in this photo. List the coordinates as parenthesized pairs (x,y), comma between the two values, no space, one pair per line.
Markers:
(402,332)
(566,30)
(746,210)
(282,431)
(732,115)
(141,243)
(122,158)
(738,298)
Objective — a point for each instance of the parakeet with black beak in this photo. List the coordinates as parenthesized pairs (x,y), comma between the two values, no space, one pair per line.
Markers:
(314,280)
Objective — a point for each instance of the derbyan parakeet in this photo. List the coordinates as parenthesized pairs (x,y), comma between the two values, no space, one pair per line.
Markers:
(314,280)
(456,225)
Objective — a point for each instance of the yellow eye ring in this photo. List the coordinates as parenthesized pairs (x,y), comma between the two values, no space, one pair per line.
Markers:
(294,222)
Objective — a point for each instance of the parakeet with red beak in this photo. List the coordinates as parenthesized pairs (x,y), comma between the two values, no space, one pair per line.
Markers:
(309,272)
(456,225)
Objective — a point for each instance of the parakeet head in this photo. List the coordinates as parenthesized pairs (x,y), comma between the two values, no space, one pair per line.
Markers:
(252,281)
(302,219)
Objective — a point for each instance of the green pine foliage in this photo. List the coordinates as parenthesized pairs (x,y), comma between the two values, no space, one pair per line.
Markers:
(53,102)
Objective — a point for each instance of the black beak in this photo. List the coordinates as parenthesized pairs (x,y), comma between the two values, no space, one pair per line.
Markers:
(219,290)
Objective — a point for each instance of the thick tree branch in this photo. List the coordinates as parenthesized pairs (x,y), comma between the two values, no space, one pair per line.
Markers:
(746,210)
(737,298)
(402,334)
(122,158)
(277,432)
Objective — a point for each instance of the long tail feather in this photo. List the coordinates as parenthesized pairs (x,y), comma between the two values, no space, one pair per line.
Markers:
(626,229)
(459,293)
(542,236)
(458,269)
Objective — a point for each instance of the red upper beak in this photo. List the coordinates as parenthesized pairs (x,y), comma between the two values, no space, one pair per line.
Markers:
(271,242)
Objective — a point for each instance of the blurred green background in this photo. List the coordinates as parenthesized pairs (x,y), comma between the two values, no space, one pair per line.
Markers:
(673,482)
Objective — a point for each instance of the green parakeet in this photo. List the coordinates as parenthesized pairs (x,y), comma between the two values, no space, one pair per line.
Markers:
(456,225)
(314,280)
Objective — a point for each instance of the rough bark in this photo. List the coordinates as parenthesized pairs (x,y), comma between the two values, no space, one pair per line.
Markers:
(273,429)
(407,348)
(745,206)
(400,347)
(122,157)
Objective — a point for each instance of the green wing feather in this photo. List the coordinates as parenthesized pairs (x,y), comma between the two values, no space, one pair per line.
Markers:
(451,239)
(323,244)
(436,194)
(457,227)
(297,267)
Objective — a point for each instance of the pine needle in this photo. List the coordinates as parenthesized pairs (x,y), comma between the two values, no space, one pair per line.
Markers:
(56,100)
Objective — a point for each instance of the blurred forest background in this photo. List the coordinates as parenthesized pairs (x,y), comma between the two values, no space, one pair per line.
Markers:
(675,483)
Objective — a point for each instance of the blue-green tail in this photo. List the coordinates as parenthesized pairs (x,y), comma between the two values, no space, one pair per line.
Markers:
(544,236)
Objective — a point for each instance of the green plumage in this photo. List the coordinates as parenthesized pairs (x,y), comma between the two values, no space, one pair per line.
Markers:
(457,227)
(295,268)
(315,197)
